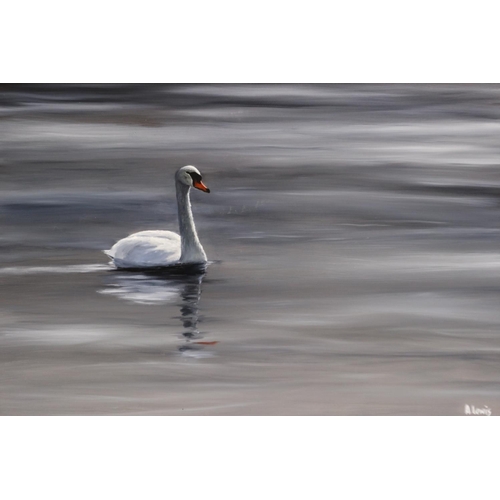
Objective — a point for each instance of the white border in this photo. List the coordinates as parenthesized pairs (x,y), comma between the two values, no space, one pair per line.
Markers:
(248,457)
(261,41)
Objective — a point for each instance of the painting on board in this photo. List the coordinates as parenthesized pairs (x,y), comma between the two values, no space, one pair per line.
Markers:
(249,249)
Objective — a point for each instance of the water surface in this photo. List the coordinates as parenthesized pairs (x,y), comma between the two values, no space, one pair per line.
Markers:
(353,233)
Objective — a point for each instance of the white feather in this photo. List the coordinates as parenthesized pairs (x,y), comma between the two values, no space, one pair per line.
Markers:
(147,249)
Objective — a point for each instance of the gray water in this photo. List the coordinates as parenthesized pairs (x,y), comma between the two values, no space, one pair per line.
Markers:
(353,233)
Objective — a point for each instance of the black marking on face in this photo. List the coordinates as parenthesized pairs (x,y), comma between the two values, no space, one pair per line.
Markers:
(196,177)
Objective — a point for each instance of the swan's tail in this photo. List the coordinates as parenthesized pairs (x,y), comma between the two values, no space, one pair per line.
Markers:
(109,253)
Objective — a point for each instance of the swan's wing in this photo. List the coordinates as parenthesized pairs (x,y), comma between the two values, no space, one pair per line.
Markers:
(146,249)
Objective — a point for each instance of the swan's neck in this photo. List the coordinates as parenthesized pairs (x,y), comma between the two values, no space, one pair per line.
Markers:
(191,249)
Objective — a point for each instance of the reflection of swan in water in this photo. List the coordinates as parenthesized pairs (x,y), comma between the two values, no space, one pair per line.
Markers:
(147,288)
(142,288)
(190,296)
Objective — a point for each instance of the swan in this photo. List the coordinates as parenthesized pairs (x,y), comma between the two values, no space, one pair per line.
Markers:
(165,248)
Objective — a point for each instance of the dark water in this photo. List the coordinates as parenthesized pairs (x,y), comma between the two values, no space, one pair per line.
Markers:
(353,231)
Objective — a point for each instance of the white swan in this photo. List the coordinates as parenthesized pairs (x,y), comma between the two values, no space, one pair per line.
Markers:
(165,248)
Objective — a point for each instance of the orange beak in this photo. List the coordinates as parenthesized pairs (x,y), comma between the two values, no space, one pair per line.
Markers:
(199,185)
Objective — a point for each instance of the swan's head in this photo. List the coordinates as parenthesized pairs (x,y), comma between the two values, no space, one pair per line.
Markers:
(191,176)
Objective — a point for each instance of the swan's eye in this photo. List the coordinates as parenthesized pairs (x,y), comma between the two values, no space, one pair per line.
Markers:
(195,177)
(197,183)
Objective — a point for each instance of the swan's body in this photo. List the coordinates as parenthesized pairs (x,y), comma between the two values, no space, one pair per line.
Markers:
(165,248)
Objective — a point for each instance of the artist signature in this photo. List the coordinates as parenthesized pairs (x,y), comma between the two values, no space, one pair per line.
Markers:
(478,410)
